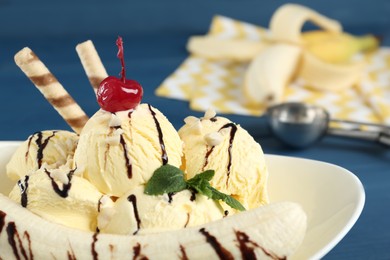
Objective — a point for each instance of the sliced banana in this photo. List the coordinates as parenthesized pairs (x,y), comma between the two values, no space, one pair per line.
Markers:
(232,49)
(269,73)
(273,231)
(327,76)
(287,22)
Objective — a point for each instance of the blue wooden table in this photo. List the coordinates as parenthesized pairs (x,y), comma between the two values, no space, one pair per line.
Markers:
(155,33)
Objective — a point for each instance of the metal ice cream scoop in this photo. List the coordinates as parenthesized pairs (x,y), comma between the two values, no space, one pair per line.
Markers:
(300,125)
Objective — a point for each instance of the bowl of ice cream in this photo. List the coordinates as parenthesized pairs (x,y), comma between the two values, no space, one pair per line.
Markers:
(70,198)
(330,215)
(127,184)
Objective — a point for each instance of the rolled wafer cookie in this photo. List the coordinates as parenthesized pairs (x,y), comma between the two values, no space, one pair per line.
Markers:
(92,64)
(51,89)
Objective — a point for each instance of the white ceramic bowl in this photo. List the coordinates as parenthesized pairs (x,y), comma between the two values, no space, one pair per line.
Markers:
(332,197)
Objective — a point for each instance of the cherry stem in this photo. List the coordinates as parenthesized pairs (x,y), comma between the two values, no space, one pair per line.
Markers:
(119,43)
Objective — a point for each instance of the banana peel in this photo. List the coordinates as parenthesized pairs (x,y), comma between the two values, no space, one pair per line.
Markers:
(337,47)
(232,49)
(322,75)
(325,60)
(287,22)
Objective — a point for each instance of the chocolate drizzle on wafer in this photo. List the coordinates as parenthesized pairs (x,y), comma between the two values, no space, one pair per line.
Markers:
(49,86)
(95,81)
(164,155)
(43,80)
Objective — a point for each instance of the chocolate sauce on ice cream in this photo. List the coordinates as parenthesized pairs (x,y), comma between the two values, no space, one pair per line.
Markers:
(164,155)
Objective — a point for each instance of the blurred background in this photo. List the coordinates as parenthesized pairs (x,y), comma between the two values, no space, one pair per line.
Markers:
(155,33)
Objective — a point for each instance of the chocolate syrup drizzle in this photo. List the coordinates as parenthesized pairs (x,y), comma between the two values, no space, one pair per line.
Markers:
(233,130)
(42,145)
(127,159)
(222,252)
(2,220)
(93,247)
(125,153)
(28,146)
(66,187)
(170,196)
(71,254)
(192,198)
(183,253)
(206,159)
(133,199)
(188,220)
(164,155)
(247,247)
(193,195)
(23,186)
(14,239)
(137,253)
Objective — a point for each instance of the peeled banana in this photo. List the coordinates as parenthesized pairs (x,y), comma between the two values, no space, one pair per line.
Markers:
(269,73)
(322,58)
(273,231)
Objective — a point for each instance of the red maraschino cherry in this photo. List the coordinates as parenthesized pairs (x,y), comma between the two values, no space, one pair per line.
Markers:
(116,94)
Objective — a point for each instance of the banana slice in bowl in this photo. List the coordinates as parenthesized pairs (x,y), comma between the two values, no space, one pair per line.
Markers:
(274,231)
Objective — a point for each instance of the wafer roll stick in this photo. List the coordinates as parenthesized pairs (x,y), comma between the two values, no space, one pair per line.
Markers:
(92,64)
(51,89)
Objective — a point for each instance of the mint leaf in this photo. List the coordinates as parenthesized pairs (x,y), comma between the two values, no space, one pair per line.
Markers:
(200,183)
(232,202)
(206,175)
(166,179)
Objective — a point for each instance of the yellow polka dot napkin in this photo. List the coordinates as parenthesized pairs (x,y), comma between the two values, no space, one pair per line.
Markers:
(216,84)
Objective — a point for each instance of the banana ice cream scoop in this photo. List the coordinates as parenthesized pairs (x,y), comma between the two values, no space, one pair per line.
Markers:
(59,196)
(119,151)
(216,143)
(45,147)
(138,213)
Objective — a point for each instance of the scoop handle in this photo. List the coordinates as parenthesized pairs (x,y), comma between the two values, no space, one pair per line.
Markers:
(382,135)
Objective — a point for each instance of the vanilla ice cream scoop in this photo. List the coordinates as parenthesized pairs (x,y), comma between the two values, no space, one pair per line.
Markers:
(218,144)
(51,147)
(119,151)
(59,196)
(139,213)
